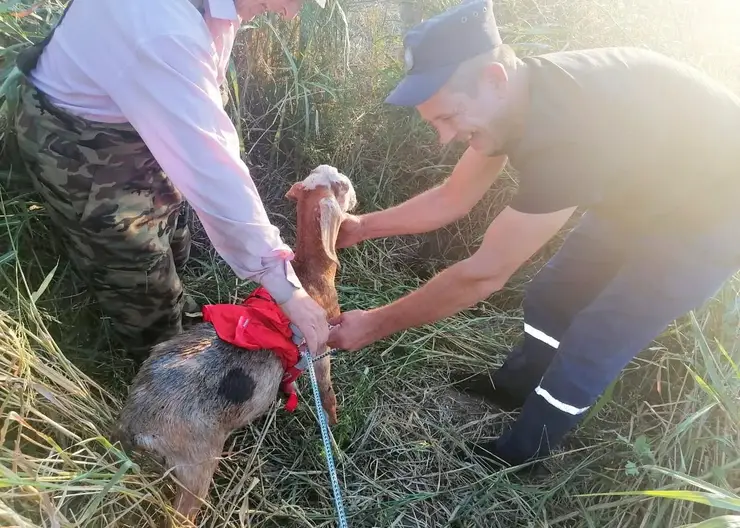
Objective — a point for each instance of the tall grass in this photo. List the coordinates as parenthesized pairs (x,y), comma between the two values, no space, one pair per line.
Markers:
(661,449)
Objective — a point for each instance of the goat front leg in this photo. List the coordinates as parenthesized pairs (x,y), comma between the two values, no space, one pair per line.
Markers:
(326,389)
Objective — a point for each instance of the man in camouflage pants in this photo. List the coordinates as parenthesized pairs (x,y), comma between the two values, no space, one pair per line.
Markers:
(118,212)
(124,222)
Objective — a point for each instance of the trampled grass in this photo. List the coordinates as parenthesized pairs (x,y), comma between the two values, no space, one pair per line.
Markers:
(661,450)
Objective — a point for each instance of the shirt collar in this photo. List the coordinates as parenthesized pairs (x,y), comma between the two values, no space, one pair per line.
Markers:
(224,9)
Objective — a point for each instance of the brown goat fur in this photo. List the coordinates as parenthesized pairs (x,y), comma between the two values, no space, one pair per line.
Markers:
(194,390)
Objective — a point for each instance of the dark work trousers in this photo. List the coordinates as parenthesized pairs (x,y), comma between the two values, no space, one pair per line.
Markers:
(593,307)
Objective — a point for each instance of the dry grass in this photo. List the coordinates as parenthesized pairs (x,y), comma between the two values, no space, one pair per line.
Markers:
(309,92)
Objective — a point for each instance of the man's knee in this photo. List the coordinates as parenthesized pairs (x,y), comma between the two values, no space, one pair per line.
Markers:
(557,293)
(587,261)
(543,327)
(551,300)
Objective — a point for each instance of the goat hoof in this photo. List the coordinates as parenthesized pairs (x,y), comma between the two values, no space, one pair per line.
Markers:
(331,416)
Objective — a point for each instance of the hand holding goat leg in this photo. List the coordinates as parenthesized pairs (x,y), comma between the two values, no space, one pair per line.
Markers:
(310,319)
(194,390)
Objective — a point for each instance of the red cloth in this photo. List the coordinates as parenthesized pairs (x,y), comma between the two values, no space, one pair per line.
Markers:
(259,324)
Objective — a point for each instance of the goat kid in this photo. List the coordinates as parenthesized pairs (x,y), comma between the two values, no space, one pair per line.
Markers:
(195,389)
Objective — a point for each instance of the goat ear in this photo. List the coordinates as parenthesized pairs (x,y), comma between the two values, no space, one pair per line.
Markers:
(330,219)
(295,191)
(345,195)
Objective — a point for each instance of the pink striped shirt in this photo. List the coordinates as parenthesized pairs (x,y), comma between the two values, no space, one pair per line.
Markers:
(158,65)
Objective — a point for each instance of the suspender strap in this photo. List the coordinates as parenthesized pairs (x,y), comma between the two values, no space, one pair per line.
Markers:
(29,57)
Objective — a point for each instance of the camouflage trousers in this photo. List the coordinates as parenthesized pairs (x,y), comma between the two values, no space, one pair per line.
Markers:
(122,221)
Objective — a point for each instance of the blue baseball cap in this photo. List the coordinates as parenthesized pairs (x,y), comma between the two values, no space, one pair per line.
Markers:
(434,49)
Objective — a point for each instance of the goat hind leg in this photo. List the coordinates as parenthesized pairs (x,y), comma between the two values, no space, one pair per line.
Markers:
(194,480)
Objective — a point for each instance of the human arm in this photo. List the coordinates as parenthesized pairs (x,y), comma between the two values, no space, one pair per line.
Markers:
(471,177)
(511,239)
(170,94)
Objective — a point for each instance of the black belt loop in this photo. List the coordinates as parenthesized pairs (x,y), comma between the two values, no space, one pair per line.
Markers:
(29,57)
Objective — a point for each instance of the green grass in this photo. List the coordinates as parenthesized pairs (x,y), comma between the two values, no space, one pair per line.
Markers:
(662,448)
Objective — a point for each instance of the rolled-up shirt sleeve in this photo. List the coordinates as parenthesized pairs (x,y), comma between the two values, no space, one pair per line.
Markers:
(170,94)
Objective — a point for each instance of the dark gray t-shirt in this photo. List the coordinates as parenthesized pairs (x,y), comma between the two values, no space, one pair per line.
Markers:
(630,134)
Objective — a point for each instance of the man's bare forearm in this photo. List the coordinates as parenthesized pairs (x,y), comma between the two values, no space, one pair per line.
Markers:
(439,206)
(512,238)
(451,291)
(425,212)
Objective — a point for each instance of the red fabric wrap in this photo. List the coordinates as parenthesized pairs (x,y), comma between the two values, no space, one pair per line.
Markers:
(259,324)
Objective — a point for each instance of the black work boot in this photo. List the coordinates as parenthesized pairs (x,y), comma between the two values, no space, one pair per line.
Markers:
(509,386)
(485,385)
(488,455)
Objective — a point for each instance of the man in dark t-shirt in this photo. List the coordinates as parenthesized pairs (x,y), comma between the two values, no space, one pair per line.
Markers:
(646,145)
(628,133)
